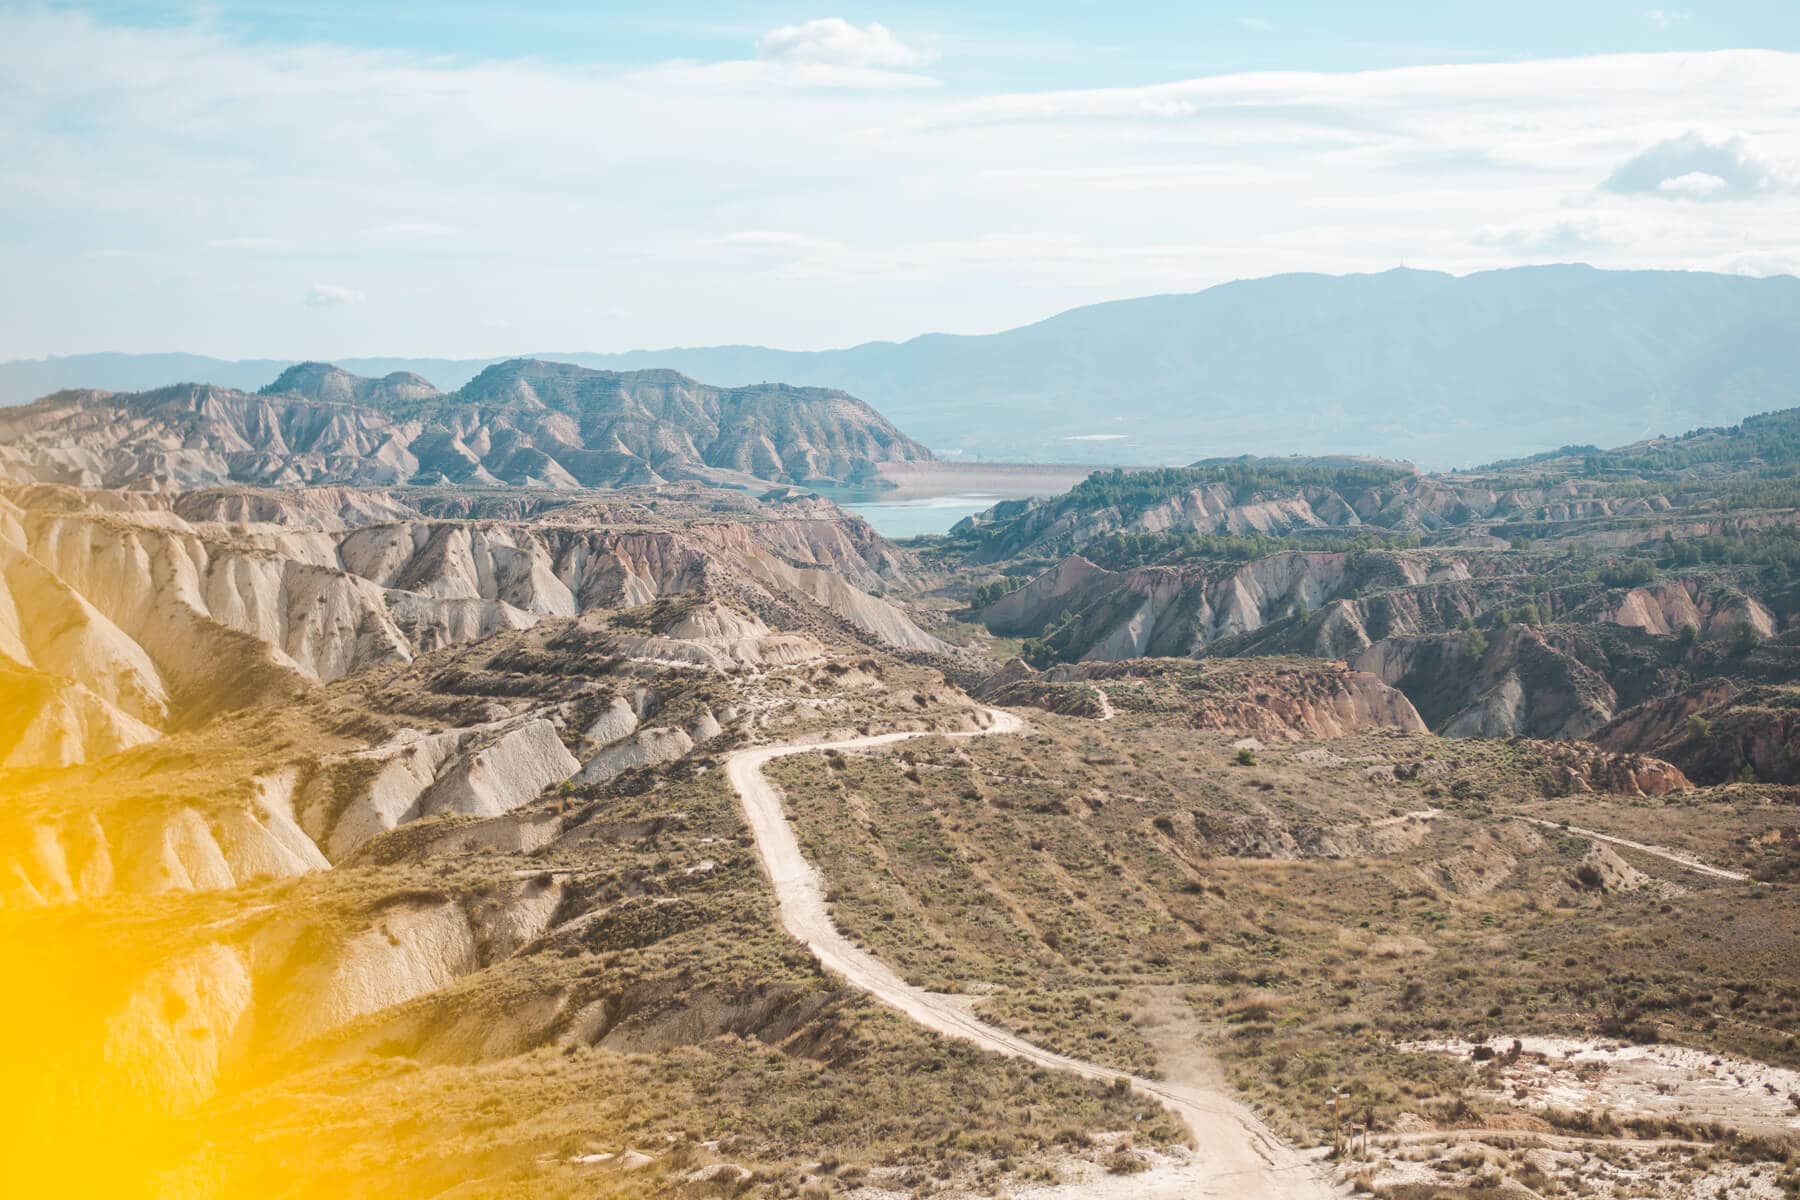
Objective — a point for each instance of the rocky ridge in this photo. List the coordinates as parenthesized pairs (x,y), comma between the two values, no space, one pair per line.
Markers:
(521,423)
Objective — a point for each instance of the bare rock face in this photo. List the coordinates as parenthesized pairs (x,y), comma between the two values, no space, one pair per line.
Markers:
(50,722)
(181,1027)
(53,863)
(322,381)
(1523,682)
(509,771)
(647,748)
(1291,602)
(46,624)
(478,771)
(1659,722)
(1472,638)
(1584,767)
(1717,732)
(177,849)
(118,621)
(1402,502)
(1602,871)
(1668,606)
(411,950)
(737,546)
(1304,705)
(619,719)
(717,637)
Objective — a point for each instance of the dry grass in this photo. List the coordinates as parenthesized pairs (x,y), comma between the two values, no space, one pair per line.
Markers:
(1090,859)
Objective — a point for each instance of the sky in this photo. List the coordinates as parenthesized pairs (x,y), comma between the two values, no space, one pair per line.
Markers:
(470,179)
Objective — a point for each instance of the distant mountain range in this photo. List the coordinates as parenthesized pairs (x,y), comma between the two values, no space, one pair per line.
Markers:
(1441,370)
(520,422)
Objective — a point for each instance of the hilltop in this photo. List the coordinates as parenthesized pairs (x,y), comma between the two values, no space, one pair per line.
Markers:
(521,422)
(1438,369)
(1580,594)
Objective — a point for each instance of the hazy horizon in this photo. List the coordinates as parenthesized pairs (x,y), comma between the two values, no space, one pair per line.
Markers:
(552,353)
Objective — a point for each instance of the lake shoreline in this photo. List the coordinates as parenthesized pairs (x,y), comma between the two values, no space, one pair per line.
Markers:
(913,499)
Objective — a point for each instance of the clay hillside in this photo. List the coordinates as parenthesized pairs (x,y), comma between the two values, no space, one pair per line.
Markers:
(1636,596)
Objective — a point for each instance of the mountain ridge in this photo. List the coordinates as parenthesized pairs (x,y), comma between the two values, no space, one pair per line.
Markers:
(521,422)
(1444,370)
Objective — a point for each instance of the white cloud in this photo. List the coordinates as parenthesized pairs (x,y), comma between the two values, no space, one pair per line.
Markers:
(833,41)
(1665,18)
(739,202)
(1697,185)
(1558,235)
(1693,167)
(1762,264)
(327,295)
(1136,177)
(1514,111)
(783,74)
(1260,24)
(249,243)
(412,229)
(777,241)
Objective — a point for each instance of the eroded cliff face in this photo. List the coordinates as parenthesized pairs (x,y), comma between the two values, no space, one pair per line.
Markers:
(1162,611)
(215,1013)
(496,723)
(1717,732)
(1671,605)
(121,622)
(158,845)
(1329,603)
(1440,625)
(1412,504)
(1526,681)
(1576,767)
(483,771)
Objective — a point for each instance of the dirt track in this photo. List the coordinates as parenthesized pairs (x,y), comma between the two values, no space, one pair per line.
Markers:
(1685,861)
(1237,1155)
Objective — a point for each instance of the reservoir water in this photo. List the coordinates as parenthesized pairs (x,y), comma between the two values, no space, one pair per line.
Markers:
(930,497)
(921,514)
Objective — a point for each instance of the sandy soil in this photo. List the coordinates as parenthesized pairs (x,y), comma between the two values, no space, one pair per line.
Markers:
(1661,1082)
(1236,1155)
(1625,1082)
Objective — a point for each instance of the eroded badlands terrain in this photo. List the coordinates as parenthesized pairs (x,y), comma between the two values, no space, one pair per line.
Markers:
(1281,828)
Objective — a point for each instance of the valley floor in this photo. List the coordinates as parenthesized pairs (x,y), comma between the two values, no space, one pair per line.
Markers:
(1236,1154)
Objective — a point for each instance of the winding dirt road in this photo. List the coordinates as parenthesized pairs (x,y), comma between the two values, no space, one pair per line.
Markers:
(1686,861)
(1237,1155)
